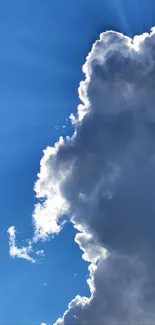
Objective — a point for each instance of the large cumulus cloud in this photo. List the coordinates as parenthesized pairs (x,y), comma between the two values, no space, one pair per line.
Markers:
(103,178)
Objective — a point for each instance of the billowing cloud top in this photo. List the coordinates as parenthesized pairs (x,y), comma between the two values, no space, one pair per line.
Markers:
(103,178)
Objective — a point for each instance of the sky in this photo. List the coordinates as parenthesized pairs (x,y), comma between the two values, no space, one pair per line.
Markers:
(43,48)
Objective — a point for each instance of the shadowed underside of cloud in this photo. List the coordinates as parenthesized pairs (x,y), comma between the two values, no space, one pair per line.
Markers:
(103,178)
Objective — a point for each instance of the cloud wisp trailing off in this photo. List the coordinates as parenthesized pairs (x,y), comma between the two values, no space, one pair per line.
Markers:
(22,252)
(103,178)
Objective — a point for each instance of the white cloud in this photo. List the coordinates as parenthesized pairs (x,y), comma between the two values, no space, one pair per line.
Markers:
(111,183)
(45,284)
(103,178)
(22,252)
(40,252)
(46,215)
(93,252)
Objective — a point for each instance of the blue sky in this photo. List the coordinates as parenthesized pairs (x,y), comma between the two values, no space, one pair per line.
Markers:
(43,47)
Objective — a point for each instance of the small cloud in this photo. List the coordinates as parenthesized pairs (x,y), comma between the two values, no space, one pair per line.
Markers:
(22,252)
(45,284)
(73,119)
(75,274)
(40,252)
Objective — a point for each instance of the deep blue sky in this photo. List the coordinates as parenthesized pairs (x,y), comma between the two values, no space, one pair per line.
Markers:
(43,47)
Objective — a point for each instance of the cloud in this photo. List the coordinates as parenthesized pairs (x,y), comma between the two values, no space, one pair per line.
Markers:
(45,284)
(19,252)
(40,252)
(116,299)
(103,178)
(46,215)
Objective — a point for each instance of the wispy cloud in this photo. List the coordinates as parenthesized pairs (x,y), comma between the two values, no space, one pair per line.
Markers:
(40,252)
(23,252)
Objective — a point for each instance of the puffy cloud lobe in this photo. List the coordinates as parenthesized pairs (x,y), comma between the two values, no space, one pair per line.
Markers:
(120,287)
(103,177)
(110,185)
(47,214)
